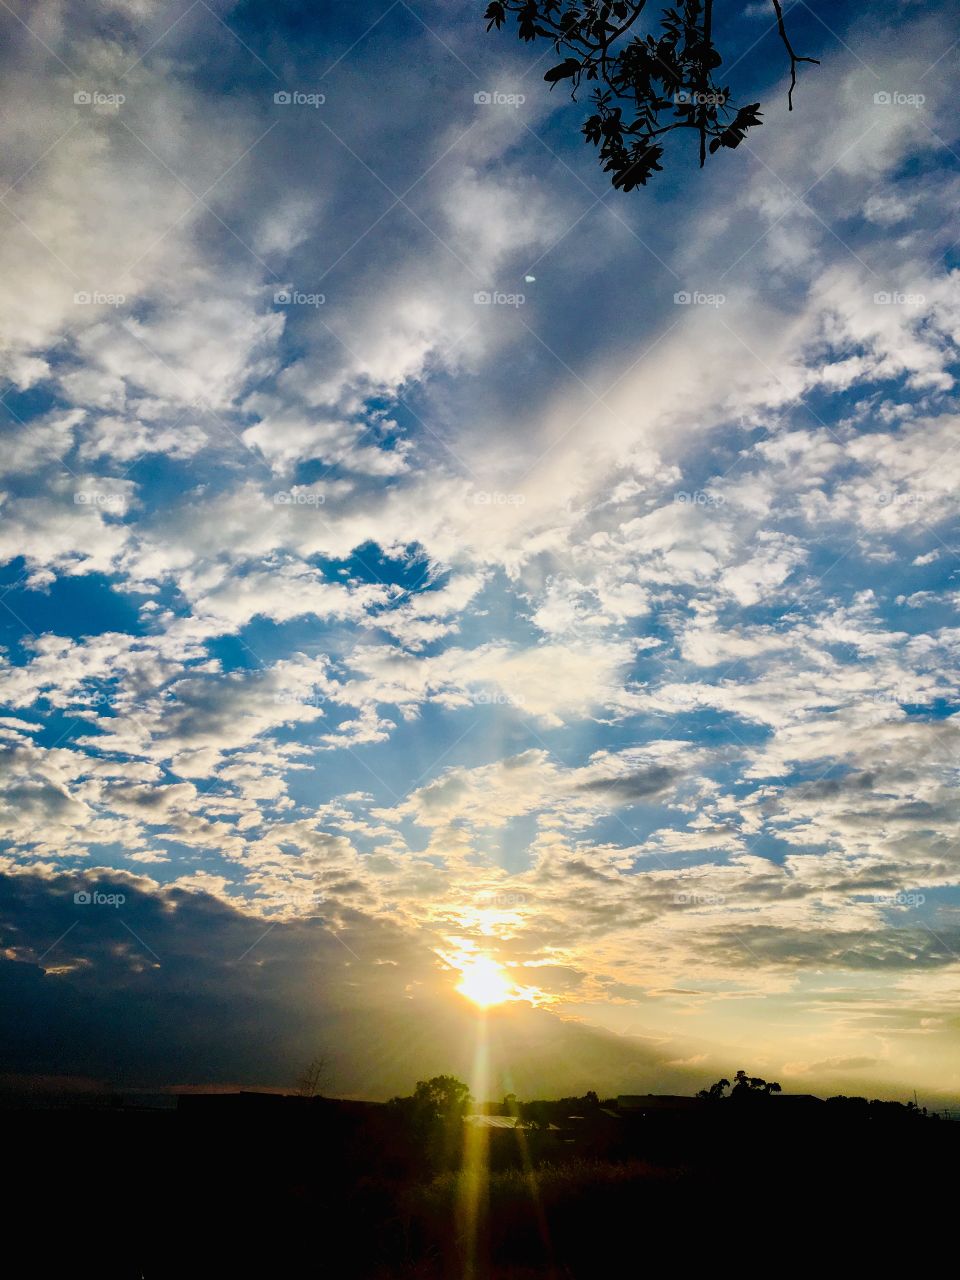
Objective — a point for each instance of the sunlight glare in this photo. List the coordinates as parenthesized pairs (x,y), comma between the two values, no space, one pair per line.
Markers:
(485,982)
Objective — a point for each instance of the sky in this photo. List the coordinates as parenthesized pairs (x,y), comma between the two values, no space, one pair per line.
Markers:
(416,555)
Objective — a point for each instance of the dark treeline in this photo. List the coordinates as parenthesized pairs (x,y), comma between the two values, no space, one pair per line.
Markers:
(256,1184)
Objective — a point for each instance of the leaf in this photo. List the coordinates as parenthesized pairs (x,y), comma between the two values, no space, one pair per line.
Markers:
(643,161)
(526,24)
(593,130)
(495,15)
(563,71)
(746,118)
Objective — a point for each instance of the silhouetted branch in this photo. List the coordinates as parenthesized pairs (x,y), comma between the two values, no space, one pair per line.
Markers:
(707,30)
(313,1077)
(648,84)
(794,58)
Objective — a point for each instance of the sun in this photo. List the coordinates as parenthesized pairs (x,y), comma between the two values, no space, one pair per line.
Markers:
(485,982)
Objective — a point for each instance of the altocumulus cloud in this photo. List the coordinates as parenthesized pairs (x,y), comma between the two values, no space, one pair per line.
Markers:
(626,649)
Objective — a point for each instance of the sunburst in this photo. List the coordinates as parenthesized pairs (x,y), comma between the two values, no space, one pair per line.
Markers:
(485,982)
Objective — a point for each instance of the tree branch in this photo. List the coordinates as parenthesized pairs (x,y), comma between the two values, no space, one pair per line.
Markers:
(794,58)
(705,77)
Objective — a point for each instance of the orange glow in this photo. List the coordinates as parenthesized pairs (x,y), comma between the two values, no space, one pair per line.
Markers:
(485,982)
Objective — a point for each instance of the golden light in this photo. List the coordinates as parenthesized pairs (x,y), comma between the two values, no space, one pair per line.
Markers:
(485,982)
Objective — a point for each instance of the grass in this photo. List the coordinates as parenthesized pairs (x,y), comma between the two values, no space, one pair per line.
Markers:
(524,1219)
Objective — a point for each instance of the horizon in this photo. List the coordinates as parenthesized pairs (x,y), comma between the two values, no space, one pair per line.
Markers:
(81,1090)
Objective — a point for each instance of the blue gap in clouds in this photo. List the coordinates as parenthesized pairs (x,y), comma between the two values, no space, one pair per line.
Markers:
(508,846)
(262,642)
(168,482)
(416,753)
(304,26)
(182,859)
(265,42)
(85,605)
(369,563)
(24,405)
(238,652)
(839,416)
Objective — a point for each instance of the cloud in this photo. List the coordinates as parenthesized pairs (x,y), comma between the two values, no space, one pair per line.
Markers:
(109,991)
(611,633)
(639,785)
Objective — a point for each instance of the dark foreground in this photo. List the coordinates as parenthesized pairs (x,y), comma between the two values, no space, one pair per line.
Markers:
(307,1188)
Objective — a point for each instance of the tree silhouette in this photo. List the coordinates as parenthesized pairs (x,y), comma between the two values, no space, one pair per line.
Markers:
(442,1097)
(313,1077)
(664,79)
(745,1086)
(434,1117)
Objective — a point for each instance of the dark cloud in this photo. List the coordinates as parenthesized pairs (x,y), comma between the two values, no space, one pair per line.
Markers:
(826,787)
(181,988)
(903,948)
(642,784)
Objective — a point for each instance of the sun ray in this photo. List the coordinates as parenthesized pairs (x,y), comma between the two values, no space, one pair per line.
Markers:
(485,982)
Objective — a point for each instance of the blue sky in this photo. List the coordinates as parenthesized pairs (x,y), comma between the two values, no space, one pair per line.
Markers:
(606,628)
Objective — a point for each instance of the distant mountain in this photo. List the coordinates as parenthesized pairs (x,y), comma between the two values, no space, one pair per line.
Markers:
(530,1052)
